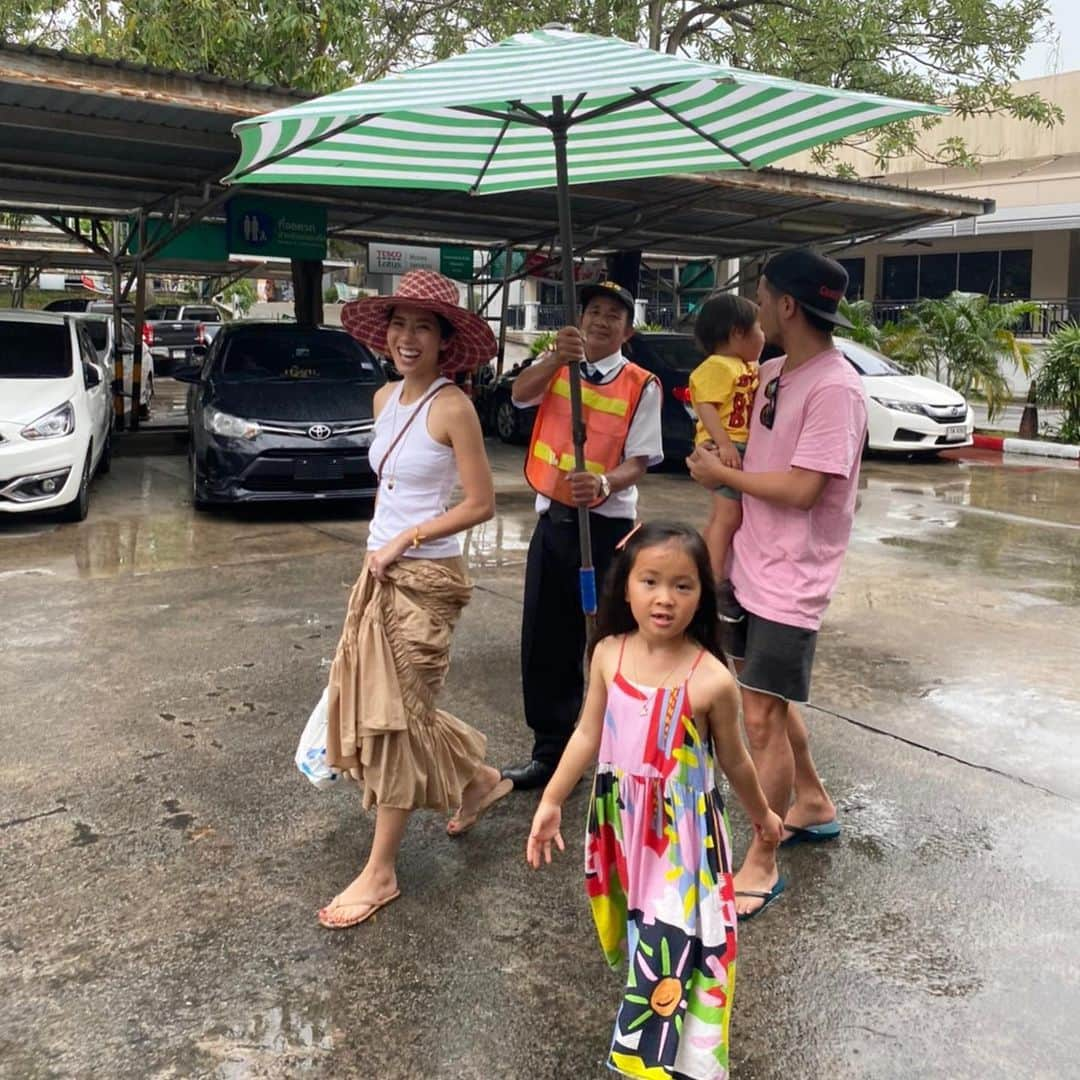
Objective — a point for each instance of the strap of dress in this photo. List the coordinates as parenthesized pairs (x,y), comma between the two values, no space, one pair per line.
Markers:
(622,647)
(693,666)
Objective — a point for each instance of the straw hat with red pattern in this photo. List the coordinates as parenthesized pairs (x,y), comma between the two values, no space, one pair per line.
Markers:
(471,344)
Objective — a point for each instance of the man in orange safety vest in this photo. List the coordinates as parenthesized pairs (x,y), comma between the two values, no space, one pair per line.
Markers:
(621,411)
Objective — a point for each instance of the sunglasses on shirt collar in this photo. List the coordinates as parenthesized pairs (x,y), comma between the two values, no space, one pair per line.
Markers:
(772,396)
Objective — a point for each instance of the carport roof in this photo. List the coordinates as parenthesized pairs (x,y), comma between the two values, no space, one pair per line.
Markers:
(94,137)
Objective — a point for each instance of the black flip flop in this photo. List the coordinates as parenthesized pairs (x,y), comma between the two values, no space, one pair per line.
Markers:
(811,834)
(769,897)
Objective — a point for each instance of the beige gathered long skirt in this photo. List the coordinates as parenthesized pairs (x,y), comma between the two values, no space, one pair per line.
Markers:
(390,665)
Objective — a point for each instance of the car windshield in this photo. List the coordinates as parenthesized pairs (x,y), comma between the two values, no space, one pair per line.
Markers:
(296,356)
(30,350)
(674,353)
(98,329)
(203,314)
(170,311)
(867,361)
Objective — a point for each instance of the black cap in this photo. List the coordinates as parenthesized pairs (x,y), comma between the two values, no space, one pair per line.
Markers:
(815,283)
(611,290)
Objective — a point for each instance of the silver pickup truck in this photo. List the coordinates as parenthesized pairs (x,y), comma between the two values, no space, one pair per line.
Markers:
(171,331)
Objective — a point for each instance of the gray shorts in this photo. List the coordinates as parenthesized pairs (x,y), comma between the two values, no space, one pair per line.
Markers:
(777,658)
(729,492)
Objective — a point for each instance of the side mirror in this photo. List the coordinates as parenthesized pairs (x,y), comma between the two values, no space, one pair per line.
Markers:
(188,373)
(93,376)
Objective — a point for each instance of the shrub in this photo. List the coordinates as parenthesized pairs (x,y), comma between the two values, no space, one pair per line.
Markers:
(1058,379)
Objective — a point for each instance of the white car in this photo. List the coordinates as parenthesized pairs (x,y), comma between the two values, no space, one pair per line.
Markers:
(906,413)
(55,414)
(102,331)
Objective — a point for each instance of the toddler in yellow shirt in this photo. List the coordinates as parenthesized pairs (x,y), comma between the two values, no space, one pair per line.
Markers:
(722,393)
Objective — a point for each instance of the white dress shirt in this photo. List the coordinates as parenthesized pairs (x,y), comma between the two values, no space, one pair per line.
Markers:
(644,439)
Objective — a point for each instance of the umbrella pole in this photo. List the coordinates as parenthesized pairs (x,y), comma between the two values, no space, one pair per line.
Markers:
(559,131)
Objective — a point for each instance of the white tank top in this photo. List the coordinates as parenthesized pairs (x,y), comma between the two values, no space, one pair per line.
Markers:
(417,477)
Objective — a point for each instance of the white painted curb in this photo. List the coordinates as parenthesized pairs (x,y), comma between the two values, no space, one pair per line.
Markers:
(1041,449)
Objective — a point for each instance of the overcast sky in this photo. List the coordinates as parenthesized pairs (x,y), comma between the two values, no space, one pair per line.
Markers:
(1065,55)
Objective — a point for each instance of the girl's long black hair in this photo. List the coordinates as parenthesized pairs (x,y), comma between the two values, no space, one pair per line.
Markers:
(615,616)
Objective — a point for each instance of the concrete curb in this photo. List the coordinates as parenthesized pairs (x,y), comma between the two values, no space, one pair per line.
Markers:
(1027,446)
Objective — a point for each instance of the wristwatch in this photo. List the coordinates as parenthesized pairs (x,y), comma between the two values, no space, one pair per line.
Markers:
(605,487)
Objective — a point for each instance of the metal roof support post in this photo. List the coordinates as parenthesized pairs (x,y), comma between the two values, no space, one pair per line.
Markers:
(118,335)
(504,309)
(140,316)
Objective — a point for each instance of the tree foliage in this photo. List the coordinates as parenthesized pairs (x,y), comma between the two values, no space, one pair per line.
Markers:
(960,53)
(963,339)
(1058,380)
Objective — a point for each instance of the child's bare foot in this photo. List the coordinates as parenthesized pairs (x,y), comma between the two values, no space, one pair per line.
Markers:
(374,888)
(482,792)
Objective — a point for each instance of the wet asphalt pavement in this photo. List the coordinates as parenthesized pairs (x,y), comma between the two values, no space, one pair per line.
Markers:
(162,860)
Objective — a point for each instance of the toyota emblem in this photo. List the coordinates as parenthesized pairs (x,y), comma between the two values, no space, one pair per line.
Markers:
(320,431)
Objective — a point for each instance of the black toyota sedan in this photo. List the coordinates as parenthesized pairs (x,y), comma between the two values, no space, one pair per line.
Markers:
(669,356)
(280,411)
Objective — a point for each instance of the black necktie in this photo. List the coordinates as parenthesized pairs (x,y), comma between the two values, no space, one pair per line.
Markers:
(590,374)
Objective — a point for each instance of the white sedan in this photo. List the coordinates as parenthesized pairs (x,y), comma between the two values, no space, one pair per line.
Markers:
(101,329)
(907,414)
(55,414)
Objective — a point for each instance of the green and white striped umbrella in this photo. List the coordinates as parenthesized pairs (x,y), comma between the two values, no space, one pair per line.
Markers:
(481,122)
(551,109)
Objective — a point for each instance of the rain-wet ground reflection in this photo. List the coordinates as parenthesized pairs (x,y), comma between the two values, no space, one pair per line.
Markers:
(283,1039)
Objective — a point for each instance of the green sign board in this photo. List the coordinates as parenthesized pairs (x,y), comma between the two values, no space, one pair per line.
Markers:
(202,242)
(498,264)
(456,262)
(276,228)
(697,277)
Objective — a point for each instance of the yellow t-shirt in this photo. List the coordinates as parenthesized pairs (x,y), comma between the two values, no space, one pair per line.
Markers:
(728,384)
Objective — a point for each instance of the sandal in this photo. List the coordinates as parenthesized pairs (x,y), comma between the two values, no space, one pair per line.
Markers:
(344,924)
(498,791)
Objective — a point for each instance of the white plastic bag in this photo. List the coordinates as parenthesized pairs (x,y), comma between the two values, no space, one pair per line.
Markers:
(311,753)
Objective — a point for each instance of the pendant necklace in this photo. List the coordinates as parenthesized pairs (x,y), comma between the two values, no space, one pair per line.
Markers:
(666,689)
(391,479)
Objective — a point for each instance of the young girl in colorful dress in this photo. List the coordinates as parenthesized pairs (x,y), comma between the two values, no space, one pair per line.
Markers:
(661,707)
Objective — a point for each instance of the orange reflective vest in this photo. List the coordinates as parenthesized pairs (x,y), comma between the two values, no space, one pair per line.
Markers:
(607,411)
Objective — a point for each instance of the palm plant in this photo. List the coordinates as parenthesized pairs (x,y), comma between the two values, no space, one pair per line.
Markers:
(860,313)
(963,340)
(1058,379)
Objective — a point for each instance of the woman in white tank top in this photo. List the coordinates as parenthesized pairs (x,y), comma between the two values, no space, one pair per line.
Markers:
(393,654)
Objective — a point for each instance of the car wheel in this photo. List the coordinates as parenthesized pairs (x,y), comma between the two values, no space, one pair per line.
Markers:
(79,507)
(197,501)
(105,464)
(506,422)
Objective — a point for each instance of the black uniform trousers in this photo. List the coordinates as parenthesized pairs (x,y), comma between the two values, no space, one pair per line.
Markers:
(553,624)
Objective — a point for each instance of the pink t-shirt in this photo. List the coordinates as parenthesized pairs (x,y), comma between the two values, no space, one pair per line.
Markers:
(786,562)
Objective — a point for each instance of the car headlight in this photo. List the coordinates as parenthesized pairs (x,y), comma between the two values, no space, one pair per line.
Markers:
(901,406)
(61,421)
(230,427)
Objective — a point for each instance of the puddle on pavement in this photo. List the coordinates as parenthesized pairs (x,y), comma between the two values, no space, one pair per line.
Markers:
(1015,729)
(501,542)
(282,1036)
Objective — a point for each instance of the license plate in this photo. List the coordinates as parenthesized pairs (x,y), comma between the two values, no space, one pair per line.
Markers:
(956,432)
(179,354)
(319,469)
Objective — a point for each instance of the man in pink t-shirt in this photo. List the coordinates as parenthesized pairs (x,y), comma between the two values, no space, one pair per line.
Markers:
(799,481)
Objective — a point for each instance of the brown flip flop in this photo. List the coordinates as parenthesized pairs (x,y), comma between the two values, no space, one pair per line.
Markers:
(372,907)
(499,791)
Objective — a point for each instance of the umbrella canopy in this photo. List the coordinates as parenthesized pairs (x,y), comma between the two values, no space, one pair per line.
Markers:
(550,109)
(481,121)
